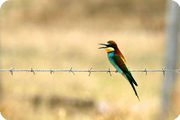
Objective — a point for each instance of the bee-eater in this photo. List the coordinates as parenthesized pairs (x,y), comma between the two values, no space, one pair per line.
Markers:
(117,59)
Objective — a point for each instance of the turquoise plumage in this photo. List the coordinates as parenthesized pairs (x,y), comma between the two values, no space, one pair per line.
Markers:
(118,61)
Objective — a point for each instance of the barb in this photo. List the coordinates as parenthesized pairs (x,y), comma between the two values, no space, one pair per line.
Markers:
(71,71)
(109,71)
(90,71)
(12,70)
(164,71)
(145,71)
(51,71)
(32,71)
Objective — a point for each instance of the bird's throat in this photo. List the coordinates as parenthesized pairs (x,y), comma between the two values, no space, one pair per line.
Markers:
(109,49)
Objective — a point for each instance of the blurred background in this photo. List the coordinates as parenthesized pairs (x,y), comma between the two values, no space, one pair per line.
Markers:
(60,34)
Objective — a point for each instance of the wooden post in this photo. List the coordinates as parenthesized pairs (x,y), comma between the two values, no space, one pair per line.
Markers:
(171,54)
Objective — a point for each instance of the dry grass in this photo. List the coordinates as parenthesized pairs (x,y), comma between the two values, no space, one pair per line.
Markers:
(59,46)
(48,48)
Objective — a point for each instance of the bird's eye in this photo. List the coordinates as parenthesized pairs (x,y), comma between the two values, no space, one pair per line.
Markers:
(110,45)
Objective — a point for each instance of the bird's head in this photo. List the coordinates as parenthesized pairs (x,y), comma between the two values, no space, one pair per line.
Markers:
(110,46)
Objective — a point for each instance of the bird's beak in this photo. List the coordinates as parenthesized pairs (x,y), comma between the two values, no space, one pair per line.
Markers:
(102,44)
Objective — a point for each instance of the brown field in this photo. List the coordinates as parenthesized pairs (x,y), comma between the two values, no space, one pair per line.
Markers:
(43,38)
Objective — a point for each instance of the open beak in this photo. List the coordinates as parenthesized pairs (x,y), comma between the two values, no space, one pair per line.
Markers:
(105,45)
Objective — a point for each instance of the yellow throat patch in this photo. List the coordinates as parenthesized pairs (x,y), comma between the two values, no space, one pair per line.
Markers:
(109,49)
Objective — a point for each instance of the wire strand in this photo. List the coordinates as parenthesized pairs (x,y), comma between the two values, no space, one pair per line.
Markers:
(73,71)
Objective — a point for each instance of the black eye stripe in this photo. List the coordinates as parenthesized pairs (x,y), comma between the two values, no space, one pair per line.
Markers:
(111,45)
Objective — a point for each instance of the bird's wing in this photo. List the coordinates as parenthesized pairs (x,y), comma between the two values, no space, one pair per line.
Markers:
(120,63)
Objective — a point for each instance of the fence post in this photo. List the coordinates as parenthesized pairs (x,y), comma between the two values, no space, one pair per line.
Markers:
(171,55)
(1,94)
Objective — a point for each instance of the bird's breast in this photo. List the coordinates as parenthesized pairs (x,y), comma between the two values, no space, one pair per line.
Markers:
(110,57)
(110,54)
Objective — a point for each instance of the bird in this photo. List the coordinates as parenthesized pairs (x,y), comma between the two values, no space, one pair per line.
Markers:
(117,59)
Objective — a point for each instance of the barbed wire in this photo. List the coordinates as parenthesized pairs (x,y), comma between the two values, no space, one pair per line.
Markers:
(12,70)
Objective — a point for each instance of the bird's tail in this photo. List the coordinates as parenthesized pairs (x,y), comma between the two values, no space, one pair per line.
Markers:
(130,78)
(134,90)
